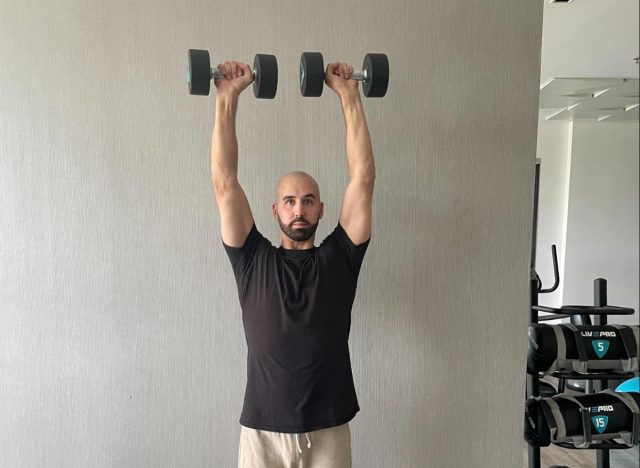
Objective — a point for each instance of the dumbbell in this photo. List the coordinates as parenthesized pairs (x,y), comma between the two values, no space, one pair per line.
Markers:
(200,73)
(374,74)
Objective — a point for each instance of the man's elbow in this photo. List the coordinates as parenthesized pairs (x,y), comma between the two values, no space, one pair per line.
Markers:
(224,185)
(365,178)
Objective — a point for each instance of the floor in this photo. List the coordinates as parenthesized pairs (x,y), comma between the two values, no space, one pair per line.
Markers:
(553,455)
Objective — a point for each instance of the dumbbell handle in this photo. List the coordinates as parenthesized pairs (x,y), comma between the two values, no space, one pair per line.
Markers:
(216,74)
(359,75)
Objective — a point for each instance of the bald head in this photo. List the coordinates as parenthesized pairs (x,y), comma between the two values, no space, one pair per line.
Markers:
(298,209)
(297,182)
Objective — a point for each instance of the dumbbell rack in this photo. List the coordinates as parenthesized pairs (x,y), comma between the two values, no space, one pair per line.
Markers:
(601,311)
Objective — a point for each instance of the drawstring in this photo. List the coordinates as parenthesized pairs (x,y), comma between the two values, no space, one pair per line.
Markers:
(298,441)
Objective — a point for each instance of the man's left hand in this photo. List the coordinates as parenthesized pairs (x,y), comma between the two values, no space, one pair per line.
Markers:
(338,78)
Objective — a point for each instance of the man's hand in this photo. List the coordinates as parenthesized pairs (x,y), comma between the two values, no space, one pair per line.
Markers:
(338,78)
(237,76)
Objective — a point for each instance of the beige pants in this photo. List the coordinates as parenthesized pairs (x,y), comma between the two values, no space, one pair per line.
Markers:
(324,448)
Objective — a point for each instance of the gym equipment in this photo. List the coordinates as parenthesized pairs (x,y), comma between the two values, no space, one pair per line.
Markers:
(593,381)
(582,348)
(547,390)
(631,385)
(582,421)
(374,74)
(200,73)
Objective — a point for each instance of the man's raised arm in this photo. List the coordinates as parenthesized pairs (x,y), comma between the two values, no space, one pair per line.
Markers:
(355,214)
(236,218)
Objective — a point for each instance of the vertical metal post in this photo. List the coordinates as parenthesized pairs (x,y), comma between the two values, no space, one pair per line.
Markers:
(536,189)
(600,300)
(533,386)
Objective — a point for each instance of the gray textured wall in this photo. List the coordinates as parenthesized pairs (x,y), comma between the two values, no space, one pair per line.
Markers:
(121,343)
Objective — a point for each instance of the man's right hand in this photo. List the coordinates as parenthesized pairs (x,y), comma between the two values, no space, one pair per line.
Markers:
(237,76)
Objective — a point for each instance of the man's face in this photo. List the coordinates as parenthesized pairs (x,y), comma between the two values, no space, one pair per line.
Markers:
(298,208)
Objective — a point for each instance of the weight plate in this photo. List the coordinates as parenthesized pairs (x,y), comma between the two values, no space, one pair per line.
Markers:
(199,72)
(377,68)
(265,84)
(311,74)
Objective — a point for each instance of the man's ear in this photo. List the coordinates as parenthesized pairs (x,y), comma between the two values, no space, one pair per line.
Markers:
(274,210)
(321,210)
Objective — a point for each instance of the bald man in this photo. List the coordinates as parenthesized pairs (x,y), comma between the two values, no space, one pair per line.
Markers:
(296,299)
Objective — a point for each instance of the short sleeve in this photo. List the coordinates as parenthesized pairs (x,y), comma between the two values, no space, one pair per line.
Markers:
(354,253)
(242,257)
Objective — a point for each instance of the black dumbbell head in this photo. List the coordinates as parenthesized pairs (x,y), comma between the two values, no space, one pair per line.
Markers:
(377,67)
(265,84)
(311,74)
(199,72)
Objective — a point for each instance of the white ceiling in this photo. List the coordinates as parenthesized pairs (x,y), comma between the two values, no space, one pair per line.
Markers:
(587,64)
(598,99)
(590,39)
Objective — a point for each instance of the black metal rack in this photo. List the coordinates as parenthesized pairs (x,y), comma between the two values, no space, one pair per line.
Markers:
(578,315)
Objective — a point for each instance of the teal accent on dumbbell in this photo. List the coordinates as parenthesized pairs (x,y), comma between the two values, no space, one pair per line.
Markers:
(200,73)
(374,74)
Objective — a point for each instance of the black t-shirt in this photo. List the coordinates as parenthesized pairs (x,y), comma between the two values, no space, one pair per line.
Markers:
(296,312)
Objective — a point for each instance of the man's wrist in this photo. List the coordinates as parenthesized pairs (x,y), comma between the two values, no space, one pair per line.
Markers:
(227,98)
(350,99)
(226,105)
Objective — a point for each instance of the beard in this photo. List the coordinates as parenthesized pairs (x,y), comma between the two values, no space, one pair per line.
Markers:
(298,234)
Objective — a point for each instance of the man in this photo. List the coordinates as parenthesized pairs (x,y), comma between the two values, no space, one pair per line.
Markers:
(296,299)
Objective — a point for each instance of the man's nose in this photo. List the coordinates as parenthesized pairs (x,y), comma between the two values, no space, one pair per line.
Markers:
(298,211)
